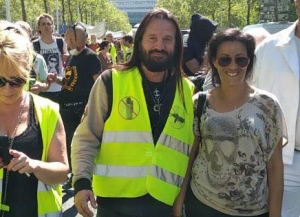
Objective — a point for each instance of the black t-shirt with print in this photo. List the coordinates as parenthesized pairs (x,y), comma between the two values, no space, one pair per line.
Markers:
(79,73)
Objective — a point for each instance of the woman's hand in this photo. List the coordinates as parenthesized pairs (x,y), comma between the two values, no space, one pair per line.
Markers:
(21,163)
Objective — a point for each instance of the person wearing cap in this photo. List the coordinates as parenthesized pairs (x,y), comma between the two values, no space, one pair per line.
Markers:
(201,30)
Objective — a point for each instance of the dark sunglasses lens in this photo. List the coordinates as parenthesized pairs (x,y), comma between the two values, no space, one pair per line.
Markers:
(224,61)
(15,82)
(242,61)
(2,82)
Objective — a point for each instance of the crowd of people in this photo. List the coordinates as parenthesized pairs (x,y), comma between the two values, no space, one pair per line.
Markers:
(122,124)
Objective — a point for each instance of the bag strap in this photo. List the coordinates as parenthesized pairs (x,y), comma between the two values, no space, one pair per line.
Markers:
(36,46)
(200,106)
(60,45)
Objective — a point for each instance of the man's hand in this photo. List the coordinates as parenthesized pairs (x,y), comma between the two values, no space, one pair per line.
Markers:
(81,202)
(39,87)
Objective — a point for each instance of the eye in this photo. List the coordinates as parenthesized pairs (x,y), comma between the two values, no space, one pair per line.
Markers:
(168,40)
(152,38)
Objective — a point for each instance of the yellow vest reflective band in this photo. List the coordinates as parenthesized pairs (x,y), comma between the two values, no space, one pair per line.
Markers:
(128,164)
(49,198)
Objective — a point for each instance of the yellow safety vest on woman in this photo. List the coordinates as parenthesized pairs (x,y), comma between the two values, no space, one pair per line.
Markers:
(128,164)
(49,198)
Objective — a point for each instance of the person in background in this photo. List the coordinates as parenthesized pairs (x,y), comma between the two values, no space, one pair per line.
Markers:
(259,34)
(238,170)
(120,52)
(39,69)
(104,55)
(127,41)
(94,45)
(31,132)
(134,141)
(201,30)
(277,71)
(82,69)
(109,37)
(49,45)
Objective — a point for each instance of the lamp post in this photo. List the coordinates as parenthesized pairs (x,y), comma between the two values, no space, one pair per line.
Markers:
(8,17)
(57,21)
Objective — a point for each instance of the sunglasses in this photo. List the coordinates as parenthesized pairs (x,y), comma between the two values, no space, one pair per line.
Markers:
(239,61)
(13,82)
(46,24)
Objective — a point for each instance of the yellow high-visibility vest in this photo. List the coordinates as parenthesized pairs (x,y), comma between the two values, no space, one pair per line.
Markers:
(128,164)
(49,198)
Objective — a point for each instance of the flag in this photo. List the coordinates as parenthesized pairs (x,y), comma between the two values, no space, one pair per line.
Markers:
(63,27)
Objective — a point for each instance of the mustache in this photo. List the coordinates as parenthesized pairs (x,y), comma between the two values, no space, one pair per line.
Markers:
(158,51)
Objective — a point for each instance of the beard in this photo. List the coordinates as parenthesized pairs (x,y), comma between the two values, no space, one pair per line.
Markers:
(155,63)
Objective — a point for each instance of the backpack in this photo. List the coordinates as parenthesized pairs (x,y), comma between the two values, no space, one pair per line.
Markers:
(59,42)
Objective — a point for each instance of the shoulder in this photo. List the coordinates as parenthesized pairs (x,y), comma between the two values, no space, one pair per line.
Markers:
(263,95)
(278,39)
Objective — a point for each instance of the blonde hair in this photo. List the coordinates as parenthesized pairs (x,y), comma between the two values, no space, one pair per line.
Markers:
(24,25)
(16,52)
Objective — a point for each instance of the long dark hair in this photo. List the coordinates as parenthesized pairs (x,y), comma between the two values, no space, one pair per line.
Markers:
(176,67)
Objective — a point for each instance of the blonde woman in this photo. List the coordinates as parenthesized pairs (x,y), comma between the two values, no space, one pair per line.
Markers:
(33,151)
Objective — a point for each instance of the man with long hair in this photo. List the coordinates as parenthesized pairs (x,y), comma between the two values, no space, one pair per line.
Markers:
(134,142)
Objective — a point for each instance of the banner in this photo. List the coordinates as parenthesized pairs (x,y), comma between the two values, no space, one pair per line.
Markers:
(98,30)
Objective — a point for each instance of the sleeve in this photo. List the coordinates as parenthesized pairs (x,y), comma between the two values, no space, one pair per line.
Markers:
(43,70)
(275,127)
(94,64)
(88,135)
(65,48)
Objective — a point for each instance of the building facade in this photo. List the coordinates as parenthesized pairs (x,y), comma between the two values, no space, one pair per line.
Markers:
(274,10)
(136,9)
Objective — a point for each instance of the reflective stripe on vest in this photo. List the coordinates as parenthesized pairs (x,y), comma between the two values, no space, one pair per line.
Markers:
(138,171)
(56,214)
(145,137)
(49,198)
(121,171)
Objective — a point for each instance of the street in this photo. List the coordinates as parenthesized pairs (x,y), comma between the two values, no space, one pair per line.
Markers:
(69,209)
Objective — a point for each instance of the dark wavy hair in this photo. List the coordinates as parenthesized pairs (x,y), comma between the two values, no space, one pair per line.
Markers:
(232,35)
(176,67)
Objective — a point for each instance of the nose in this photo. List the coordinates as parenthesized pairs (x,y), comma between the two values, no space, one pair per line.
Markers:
(160,44)
(233,65)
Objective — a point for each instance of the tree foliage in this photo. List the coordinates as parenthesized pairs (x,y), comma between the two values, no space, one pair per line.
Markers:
(227,13)
(90,12)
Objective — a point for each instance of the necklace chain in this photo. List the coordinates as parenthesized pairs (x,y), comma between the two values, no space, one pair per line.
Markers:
(12,138)
(157,96)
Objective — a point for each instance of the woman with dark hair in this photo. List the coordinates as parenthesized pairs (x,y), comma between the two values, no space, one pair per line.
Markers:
(238,170)
(104,55)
